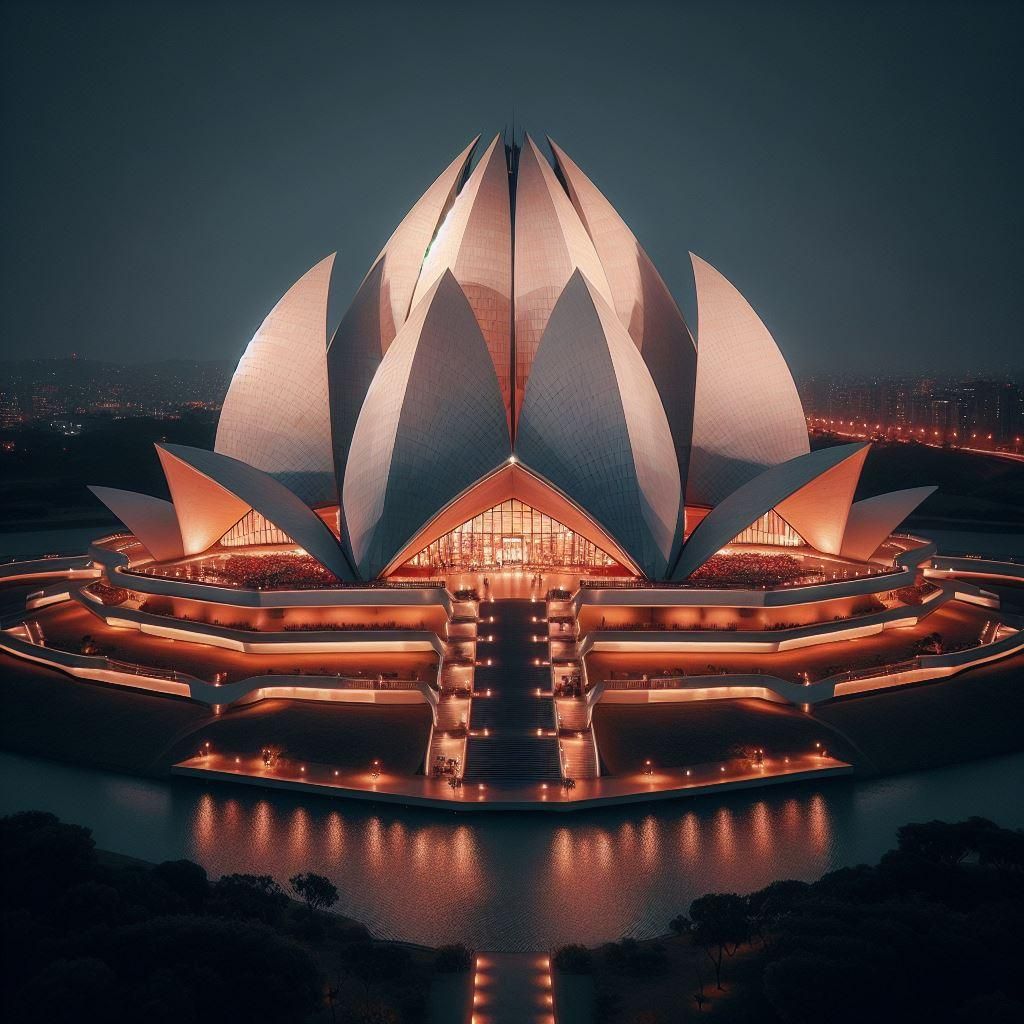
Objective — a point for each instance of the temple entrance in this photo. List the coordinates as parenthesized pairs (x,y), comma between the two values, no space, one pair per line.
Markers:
(511,535)
(511,551)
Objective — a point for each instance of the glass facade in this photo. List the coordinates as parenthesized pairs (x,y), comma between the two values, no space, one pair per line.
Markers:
(251,529)
(770,528)
(508,535)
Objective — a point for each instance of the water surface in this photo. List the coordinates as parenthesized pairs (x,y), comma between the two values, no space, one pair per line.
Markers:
(528,881)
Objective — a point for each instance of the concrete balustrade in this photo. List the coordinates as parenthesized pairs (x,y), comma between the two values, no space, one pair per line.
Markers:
(764,686)
(99,668)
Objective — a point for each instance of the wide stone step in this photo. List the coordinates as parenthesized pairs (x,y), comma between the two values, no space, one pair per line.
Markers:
(579,756)
(492,714)
(512,757)
(572,714)
(450,714)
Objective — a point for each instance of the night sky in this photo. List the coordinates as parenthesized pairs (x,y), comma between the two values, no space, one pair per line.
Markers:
(855,168)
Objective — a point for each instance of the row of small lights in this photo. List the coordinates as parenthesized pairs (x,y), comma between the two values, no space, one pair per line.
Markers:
(878,426)
(820,751)
(375,764)
(482,978)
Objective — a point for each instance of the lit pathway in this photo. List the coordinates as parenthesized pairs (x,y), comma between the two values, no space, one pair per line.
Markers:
(513,988)
(665,783)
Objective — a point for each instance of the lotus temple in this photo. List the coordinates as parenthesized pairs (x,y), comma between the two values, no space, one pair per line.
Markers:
(514,496)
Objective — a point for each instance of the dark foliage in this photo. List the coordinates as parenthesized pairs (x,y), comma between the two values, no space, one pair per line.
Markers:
(317,892)
(929,933)
(249,897)
(641,960)
(451,959)
(85,941)
(573,960)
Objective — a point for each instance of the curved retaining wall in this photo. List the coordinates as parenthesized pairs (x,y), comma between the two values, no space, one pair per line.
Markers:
(769,687)
(217,697)
(756,641)
(944,566)
(777,597)
(354,641)
(116,565)
(70,567)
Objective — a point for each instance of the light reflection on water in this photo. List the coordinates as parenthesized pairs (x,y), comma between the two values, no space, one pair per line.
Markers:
(520,882)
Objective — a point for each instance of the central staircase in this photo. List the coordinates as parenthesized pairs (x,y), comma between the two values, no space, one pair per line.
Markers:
(512,732)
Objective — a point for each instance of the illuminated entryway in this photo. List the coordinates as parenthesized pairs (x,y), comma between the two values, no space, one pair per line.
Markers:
(771,529)
(253,529)
(510,534)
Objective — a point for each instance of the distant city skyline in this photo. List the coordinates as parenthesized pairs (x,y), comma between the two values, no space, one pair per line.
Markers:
(853,168)
(963,410)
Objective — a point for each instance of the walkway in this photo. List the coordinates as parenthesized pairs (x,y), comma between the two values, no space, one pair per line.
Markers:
(419,791)
(513,988)
(512,732)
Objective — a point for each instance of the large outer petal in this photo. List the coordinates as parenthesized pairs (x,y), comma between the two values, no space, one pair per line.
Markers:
(211,492)
(770,489)
(747,414)
(152,520)
(819,510)
(550,243)
(382,303)
(475,243)
(276,416)
(404,255)
(643,303)
(873,519)
(593,425)
(432,424)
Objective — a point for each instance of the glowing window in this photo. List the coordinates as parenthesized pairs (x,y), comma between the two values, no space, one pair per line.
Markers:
(511,534)
(772,529)
(253,529)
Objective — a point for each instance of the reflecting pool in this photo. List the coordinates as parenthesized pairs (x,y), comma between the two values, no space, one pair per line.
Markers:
(529,881)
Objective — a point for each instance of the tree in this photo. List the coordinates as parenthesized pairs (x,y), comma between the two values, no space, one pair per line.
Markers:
(944,842)
(451,959)
(185,879)
(719,921)
(41,857)
(680,925)
(1002,848)
(573,959)
(768,905)
(318,892)
(256,897)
